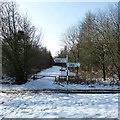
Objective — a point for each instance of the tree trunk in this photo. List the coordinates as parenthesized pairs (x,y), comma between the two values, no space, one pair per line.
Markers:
(20,75)
(20,80)
(77,71)
(118,75)
(104,72)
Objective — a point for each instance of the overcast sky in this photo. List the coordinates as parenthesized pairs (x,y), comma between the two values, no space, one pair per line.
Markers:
(54,18)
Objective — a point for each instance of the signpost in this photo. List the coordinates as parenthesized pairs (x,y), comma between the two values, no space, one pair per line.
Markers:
(73,64)
(67,69)
(60,60)
(65,60)
(76,65)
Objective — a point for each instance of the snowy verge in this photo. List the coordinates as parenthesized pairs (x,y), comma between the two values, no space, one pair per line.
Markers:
(49,82)
(31,105)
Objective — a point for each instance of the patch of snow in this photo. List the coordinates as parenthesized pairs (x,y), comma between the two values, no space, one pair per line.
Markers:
(41,105)
(49,82)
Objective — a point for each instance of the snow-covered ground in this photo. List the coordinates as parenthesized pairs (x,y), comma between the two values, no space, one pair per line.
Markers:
(44,105)
(48,82)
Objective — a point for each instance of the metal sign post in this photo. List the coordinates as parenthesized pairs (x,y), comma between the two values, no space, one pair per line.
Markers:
(63,60)
(76,65)
(67,69)
(73,64)
(60,60)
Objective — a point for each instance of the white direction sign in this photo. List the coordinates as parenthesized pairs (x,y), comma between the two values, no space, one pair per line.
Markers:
(73,64)
(60,60)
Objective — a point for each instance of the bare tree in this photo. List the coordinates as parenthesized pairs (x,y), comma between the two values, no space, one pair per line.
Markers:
(70,39)
(18,39)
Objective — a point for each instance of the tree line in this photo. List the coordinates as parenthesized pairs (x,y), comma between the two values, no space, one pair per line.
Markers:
(95,42)
(22,51)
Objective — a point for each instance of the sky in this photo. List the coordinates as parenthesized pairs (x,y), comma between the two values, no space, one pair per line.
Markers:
(54,18)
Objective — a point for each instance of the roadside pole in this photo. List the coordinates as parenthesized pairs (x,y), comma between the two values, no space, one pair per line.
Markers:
(77,71)
(67,68)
